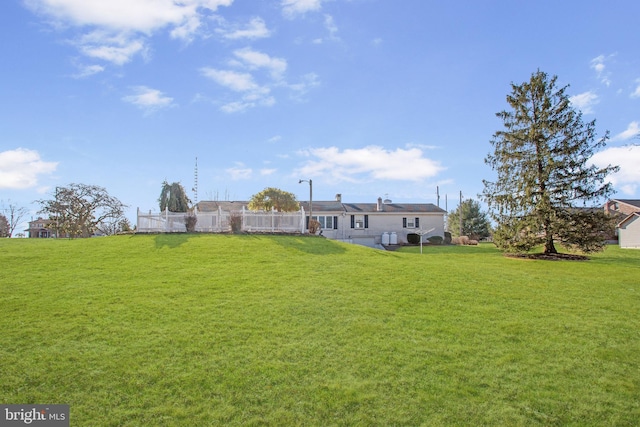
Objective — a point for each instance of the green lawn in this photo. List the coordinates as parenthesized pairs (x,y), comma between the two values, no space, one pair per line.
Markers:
(196,330)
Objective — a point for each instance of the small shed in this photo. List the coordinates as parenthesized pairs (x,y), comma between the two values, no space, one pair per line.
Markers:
(629,231)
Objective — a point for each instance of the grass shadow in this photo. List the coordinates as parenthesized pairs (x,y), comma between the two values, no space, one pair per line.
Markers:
(311,245)
(172,240)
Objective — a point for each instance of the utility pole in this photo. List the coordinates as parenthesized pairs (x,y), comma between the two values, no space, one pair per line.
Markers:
(446,208)
(310,199)
(460,213)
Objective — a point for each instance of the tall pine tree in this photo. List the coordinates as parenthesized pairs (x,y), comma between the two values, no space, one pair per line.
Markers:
(544,182)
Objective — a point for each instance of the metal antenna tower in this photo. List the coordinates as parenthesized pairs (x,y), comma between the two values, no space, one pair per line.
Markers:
(195,183)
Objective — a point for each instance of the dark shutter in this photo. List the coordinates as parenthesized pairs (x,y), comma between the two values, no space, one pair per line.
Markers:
(353,221)
(417,222)
(404,222)
(335,222)
(366,221)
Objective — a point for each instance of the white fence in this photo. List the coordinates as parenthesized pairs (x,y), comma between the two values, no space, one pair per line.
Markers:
(220,221)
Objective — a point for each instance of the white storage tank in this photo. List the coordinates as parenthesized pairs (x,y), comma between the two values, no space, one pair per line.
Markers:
(393,238)
(385,238)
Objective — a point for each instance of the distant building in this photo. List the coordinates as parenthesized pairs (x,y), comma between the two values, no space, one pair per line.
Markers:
(627,212)
(370,224)
(622,207)
(39,229)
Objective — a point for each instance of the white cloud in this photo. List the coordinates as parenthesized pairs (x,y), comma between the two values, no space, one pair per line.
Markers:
(307,82)
(187,30)
(267,172)
(115,48)
(20,168)
(240,171)
(129,21)
(369,163)
(332,29)
(256,29)
(636,93)
(253,59)
(633,130)
(88,70)
(239,82)
(627,179)
(253,94)
(274,139)
(331,26)
(249,65)
(129,15)
(585,101)
(293,8)
(598,64)
(245,104)
(148,99)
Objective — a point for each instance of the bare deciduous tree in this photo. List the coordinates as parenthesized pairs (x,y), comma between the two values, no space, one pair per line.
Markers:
(78,210)
(13,215)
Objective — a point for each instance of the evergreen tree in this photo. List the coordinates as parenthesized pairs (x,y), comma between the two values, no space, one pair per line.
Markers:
(4,226)
(544,179)
(173,197)
(475,223)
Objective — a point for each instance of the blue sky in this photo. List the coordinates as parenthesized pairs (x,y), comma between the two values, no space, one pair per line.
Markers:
(367,98)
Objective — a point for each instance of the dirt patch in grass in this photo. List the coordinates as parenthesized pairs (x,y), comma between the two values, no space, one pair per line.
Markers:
(550,257)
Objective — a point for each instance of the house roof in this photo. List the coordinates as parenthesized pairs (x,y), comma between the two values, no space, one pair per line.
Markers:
(324,206)
(212,206)
(631,202)
(628,218)
(332,206)
(393,207)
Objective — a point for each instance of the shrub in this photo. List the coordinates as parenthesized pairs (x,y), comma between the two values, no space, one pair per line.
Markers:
(235,220)
(190,222)
(447,238)
(462,240)
(436,240)
(314,226)
(413,238)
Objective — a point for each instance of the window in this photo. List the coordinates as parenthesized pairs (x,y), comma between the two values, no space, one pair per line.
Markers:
(360,221)
(327,222)
(410,222)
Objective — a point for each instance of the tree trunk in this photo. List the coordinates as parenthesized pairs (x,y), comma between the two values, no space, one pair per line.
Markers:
(549,247)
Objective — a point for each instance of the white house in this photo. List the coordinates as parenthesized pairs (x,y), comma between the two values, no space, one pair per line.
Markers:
(629,231)
(367,223)
(628,228)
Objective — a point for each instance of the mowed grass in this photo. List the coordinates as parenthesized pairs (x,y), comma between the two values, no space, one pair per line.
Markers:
(183,330)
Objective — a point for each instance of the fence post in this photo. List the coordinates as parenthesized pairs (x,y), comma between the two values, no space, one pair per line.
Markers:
(302,217)
(242,225)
